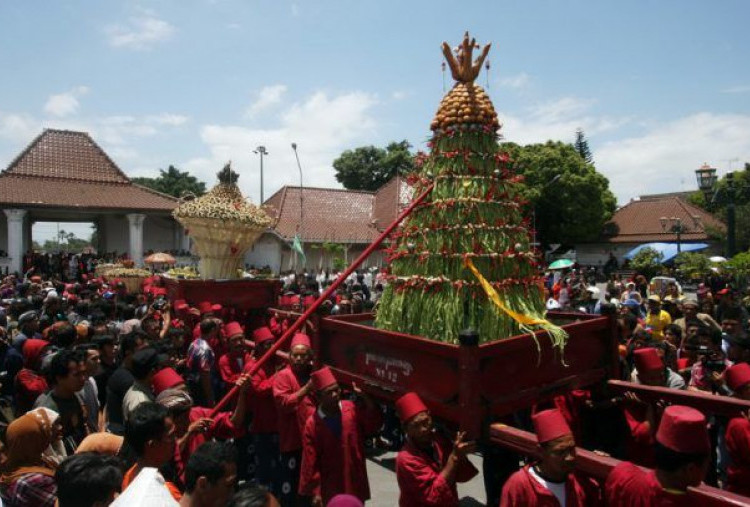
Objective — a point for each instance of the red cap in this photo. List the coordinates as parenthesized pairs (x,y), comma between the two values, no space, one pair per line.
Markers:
(262,334)
(181,307)
(164,379)
(301,339)
(205,307)
(723,291)
(32,349)
(322,378)
(549,425)
(232,329)
(737,376)
(178,302)
(216,308)
(683,429)
(647,360)
(408,406)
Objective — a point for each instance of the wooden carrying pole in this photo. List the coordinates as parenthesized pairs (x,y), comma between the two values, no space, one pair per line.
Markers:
(341,279)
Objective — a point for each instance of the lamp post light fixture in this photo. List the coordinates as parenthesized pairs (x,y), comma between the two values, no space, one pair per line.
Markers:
(261,150)
(674,226)
(706,177)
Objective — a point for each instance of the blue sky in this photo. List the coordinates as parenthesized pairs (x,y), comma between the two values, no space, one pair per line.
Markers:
(658,86)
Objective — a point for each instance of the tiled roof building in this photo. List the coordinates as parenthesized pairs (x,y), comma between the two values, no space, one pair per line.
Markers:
(64,176)
(351,219)
(650,219)
(62,168)
(641,221)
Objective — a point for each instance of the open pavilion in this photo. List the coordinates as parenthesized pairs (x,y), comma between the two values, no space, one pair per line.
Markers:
(64,176)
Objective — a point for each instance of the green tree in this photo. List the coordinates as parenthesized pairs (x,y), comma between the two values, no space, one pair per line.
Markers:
(571,199)
(717,205)
(693,265)
(173,182)
(369,167)
(582,147)
(739,266)
(647,262)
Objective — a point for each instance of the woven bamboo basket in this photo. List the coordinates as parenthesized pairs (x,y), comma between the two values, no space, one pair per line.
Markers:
(221,245)
(132,283)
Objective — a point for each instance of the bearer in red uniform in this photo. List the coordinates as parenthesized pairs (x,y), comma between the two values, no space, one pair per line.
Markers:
(738,432)
(192,424)
(264,427)
(641,416)
(333,442)
(233,363)
(683,455)
(549,482)
(292,391)
(427,468)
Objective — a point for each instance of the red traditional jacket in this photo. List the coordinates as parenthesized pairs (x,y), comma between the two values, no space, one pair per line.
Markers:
(738,445)
(232,366)
(419,479)
(221,428)
(292,411)
(522,489)
(333,453)
(260,399)
(629,486)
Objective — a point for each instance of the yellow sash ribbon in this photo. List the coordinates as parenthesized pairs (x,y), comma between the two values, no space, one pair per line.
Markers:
(523,320)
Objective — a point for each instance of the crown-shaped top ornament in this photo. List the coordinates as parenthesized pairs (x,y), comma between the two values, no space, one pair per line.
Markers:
(466,104)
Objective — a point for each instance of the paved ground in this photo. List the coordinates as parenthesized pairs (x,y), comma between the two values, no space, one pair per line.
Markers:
(384,489)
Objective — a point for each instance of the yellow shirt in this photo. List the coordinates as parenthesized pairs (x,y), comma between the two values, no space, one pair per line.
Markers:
(658,323)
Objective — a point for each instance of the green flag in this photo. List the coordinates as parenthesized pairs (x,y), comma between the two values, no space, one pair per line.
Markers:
(297,247)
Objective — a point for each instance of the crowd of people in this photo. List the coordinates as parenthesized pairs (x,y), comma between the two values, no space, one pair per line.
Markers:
(109,396)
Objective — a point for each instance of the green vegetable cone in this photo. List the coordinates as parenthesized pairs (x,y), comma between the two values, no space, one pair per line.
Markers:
(473,212)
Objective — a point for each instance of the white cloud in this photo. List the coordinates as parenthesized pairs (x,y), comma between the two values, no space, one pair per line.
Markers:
(173,120)
(321,125)
(559,109)
(268,97)
(19,128)
(64,104)
(557,120)
(518,81)
(737,89)
(295,10)
(667,156)
(119,135)
(141,32)
(399,95)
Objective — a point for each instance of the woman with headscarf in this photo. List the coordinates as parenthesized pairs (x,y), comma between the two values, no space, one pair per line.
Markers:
(101,443)
(34,451)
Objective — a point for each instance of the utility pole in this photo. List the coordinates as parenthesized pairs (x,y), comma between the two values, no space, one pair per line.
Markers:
(730,216)
(261,150)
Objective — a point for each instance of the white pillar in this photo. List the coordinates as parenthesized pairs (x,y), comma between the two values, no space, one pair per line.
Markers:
(135,220)
(15,238)
(185,240)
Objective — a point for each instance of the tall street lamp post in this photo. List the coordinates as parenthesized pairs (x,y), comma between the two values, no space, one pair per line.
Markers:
(674,226)
(261,150)
(707,178)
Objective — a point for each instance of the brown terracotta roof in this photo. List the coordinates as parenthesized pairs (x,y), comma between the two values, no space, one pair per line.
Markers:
(69,155)
(640,221)
(340,216)
(62,168)
(390,200)
(33,192)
